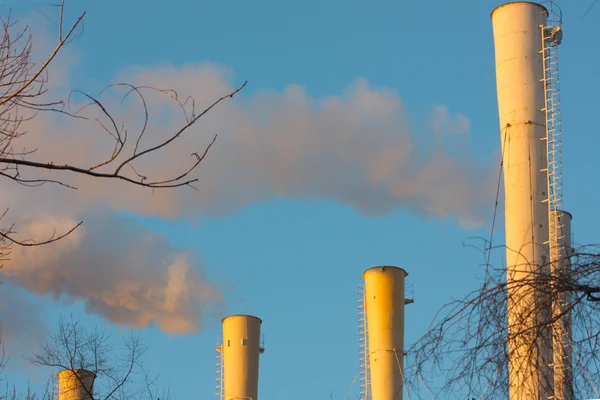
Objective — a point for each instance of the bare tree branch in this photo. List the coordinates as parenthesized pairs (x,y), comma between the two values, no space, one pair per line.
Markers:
(119,372)
(467,342)
(24,96)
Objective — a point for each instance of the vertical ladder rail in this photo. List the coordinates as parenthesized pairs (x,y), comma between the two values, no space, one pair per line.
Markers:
(559,266)
(363,346)
(55,389)
(220,389)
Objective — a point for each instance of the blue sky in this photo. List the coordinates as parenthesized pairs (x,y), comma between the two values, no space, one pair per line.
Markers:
(295,259)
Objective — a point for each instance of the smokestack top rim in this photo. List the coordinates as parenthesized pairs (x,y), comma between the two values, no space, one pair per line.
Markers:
(382,267)
(242,315)
(76,371)
(519,2)
(568,213)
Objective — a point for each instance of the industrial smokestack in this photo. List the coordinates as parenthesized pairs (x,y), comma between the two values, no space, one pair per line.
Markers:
(240,351)
(562,330)
(75,384)
(521,104)
(384,304)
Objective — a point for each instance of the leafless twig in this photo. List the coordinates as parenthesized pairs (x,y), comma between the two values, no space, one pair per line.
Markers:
(466,345)
(24,95)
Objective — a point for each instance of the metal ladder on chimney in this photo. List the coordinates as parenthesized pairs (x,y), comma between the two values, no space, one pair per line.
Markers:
(220,389)
(551,39)
(363,347)
(55,391)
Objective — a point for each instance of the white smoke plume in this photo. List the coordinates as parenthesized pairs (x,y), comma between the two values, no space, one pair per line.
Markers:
(357,148)
(118,269)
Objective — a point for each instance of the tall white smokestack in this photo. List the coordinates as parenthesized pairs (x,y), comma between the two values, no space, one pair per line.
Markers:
(384,303)
(521,103)
(75,384)
(240,350)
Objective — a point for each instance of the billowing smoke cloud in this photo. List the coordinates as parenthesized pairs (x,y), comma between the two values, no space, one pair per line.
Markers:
(358,148)
(118,269)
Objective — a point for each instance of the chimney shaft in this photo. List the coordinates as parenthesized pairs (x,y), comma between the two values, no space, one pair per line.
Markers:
(521,102)
(384,303)
(562,330)
(75,384)
(241,349)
